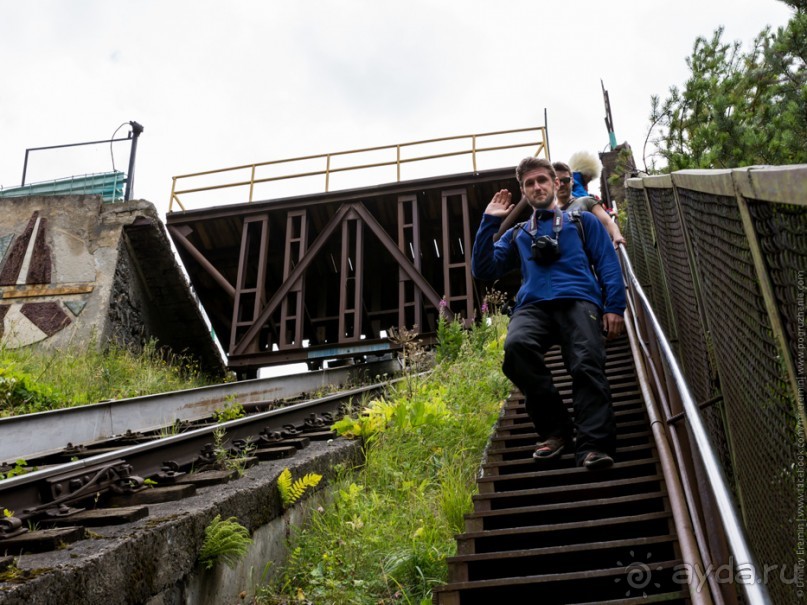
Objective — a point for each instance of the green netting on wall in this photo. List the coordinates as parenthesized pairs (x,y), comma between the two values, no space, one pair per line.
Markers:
(109,185)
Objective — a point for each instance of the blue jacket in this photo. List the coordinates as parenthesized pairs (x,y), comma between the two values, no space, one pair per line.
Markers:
(570,276)
(578,188)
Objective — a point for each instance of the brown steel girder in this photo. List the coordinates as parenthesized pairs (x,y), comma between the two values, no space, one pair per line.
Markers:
(346,212)
(179,234)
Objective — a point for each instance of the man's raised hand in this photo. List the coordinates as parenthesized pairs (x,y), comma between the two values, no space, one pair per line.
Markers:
(501,204)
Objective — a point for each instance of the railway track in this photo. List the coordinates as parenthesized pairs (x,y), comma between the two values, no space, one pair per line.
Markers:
(556,533)
(112,481)
(71,431)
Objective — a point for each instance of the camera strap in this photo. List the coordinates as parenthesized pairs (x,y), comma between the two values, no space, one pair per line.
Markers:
(557,223)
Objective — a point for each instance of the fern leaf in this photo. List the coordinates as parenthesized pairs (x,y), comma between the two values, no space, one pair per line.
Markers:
(226,541)
(291,491)
(284,486)
(298,487)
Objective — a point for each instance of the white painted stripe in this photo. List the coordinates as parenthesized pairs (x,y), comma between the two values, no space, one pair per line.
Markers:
(29,252)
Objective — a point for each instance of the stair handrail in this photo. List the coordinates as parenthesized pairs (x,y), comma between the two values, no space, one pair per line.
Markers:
(755,591)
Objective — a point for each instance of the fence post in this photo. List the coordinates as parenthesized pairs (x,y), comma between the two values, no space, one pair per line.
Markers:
(766,289)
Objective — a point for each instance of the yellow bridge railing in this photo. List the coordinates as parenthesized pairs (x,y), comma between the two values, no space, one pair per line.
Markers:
(246,176)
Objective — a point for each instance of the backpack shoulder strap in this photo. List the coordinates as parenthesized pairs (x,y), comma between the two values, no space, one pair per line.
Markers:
(574,217)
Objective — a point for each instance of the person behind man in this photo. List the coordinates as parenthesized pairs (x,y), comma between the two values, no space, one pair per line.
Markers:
(585,167)
(561,301)
(568,203)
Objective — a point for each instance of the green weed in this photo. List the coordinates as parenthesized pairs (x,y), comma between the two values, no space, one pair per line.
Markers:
(226,541)
(390,525)
(230,458)
(231,411)
(20,468)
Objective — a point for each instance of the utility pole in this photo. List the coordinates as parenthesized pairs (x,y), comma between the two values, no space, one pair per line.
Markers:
(136,130)
(609,121)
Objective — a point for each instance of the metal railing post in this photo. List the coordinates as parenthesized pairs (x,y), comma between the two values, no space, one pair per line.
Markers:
(251,182)
(173,195)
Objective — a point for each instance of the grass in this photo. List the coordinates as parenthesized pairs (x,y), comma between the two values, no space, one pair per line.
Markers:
(34,380)
(390,524)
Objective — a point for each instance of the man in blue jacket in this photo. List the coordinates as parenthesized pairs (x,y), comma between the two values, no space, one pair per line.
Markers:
(561,301)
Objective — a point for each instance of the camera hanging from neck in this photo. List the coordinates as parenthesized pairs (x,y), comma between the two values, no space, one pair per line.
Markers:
(546,249)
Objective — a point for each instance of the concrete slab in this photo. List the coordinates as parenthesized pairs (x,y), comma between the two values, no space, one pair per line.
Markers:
(77,272)
(154,560)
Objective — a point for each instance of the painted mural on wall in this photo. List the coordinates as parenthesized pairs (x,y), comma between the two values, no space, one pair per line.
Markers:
(36,302)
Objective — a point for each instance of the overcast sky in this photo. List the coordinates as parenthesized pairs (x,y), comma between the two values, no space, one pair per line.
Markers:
(219,84)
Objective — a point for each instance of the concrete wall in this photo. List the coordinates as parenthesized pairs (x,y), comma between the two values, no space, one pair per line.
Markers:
(154,561)
(71,275)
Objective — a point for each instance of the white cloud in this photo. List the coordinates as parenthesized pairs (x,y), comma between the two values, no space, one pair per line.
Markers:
(218,84)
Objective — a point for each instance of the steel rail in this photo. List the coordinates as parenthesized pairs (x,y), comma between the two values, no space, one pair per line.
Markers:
(685,481)
(754,589)
(44,433)
(679,502)
(26,495)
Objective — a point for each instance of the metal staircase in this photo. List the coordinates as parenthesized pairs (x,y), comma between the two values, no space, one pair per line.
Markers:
(551,532)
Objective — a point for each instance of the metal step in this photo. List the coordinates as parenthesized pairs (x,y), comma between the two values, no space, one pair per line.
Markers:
(549,532)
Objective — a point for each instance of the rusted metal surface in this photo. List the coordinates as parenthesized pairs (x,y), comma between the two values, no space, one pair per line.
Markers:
(326,276)
(250,290)
(22,291)
(410,298)
(292,310)
(755,590)
(682,498)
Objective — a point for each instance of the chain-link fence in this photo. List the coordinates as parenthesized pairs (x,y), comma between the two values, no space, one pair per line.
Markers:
(723,257)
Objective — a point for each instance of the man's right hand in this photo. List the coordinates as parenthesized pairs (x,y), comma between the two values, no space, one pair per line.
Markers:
(501,204)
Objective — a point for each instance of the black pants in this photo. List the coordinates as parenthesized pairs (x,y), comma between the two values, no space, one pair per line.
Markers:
(574,325)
